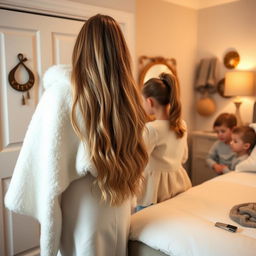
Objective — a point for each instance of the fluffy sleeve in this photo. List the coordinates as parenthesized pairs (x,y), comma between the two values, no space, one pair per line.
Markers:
(45,167)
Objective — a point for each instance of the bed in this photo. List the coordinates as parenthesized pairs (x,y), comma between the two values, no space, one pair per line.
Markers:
(184,225)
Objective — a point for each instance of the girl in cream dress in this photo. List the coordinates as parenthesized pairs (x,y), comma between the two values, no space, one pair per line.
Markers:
(166,141)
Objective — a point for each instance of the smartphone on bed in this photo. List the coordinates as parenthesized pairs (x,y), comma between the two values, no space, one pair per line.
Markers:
(227,227)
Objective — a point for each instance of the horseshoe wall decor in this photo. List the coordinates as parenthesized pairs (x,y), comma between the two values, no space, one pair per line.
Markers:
(21,87)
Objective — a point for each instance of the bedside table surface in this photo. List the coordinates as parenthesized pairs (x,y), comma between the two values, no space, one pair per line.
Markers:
(210,134)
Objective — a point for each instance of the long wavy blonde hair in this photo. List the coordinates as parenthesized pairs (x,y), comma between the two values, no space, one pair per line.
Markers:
(104,92)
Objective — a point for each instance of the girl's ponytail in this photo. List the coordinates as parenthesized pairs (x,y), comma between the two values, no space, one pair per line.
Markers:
(165,90)
(175,105)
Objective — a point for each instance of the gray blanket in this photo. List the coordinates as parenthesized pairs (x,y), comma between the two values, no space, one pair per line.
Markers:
(244,214)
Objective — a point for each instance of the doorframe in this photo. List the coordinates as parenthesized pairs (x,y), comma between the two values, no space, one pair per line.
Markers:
(77,10)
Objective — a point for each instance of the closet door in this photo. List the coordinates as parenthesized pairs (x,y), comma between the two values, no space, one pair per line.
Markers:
(44,41)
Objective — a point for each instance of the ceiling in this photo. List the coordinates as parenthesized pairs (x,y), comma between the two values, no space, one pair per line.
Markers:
(200,4)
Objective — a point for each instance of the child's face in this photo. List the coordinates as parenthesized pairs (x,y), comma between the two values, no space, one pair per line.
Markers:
(223,133)
(237,144)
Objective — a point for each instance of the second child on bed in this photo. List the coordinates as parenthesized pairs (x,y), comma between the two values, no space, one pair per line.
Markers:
(243,140)
(166,142)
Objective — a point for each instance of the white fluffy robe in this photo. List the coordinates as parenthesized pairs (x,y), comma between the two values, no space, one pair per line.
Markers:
(47,160)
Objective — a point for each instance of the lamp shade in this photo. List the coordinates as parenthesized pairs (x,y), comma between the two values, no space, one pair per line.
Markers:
(239,83)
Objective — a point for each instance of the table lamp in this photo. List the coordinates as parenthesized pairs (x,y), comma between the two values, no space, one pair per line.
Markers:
(239,83)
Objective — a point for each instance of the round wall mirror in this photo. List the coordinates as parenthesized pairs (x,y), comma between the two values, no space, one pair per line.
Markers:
(151,67)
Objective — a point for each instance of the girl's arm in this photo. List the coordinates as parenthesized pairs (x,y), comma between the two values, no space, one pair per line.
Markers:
(185,154)
(150,138)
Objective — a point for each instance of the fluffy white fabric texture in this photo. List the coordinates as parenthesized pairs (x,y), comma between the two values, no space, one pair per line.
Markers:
(250,163)
(48,161)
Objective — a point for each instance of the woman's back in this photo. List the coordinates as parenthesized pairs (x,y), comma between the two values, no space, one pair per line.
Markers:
(113,119)
(100,116)
(96,222)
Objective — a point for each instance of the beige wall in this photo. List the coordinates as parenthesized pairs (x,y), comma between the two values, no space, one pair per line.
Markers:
(122,5)
(221,28)
(168,30)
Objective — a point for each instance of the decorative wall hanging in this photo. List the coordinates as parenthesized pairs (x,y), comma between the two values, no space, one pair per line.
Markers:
(21,87)
(231,59)
(206,106)
(207,74)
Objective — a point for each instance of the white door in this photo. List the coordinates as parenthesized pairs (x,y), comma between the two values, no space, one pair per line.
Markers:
(44,41)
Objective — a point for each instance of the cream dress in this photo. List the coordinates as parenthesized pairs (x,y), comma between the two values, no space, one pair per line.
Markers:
(90,228)
(164,174)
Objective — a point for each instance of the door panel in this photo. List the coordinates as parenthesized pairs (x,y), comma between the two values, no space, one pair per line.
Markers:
(18,229)
(62,43)
(15,41)
(44,41)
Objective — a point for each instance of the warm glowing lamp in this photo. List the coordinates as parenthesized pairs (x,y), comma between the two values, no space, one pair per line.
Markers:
(239,83)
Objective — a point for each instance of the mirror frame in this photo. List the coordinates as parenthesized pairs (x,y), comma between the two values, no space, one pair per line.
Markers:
(147,62)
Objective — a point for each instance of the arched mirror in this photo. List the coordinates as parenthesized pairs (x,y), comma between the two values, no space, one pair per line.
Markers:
(153,66)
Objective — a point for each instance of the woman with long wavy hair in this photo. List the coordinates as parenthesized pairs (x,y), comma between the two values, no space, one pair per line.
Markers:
(108,119)
(83,156)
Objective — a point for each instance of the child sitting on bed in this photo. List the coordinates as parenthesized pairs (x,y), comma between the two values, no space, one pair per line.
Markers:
(221,154)
(243,140)
(250,163)
(166,142)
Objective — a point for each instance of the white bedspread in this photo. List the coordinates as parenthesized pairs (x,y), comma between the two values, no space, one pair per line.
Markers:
(184,225)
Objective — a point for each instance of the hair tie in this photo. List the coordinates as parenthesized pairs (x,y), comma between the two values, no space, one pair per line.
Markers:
(166,83)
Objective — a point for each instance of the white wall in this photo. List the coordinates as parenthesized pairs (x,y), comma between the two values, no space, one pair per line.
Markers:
(229,26)
(168,30)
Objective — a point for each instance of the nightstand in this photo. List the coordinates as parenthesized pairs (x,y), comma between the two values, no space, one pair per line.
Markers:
(201,143)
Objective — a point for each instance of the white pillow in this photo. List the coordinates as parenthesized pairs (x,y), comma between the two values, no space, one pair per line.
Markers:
(250,163)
